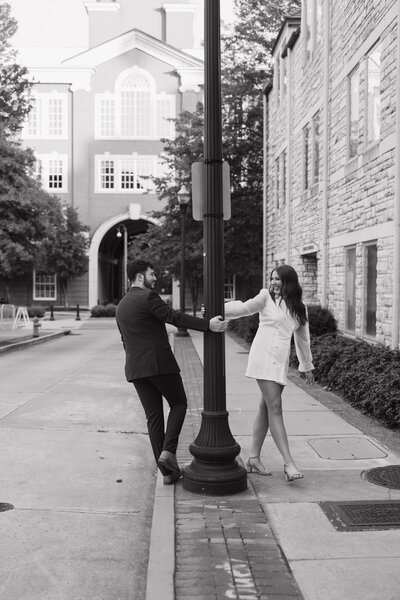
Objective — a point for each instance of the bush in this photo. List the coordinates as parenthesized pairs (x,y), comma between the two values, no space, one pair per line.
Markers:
(103,311)
(36,311)
(321,320)
(245,327)
(367,376)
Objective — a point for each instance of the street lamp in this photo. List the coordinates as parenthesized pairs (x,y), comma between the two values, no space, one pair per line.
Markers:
(214,469)
(124,234)
(183,199)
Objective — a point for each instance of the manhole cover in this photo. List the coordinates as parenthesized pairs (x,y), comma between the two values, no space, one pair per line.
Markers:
(359,515)
(386,476)
(4,506)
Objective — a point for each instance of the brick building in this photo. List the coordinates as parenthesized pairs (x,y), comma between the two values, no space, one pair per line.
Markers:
(108,76)
(332,160)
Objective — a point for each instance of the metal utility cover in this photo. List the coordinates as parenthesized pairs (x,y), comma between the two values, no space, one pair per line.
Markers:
(359,515)
(346,448)
(385,476)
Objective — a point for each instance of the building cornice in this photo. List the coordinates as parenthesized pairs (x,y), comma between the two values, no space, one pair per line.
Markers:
(134,39)
(102,6)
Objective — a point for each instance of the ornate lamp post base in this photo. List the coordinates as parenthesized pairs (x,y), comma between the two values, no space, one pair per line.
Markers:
(214,470)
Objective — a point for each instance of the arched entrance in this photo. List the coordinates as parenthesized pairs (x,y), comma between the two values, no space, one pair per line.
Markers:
(106,257)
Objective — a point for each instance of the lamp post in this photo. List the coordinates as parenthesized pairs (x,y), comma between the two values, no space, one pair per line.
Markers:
(183,199)
(214,469)
(124,234)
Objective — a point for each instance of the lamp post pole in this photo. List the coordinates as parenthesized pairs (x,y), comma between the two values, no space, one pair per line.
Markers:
(214,469)
(183,199)
(124,234)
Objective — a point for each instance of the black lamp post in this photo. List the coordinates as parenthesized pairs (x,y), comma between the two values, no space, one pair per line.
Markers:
(214,469)
(124,234)
(183,199)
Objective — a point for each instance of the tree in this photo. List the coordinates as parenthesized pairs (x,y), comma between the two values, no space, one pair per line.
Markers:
(162,245)
(35,232)
(15,87)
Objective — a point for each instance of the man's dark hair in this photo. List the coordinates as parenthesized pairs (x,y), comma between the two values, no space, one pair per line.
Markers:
(137,266)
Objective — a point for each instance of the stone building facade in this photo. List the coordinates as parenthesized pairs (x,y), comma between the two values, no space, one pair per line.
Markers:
(109,74)
(332,161)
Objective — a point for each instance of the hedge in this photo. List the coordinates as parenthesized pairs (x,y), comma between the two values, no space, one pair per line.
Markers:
(103,311)
(367,376)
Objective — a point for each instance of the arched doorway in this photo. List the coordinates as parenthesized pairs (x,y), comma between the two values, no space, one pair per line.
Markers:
(106,257)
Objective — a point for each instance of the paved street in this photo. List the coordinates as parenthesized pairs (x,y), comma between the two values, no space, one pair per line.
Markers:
(74,463)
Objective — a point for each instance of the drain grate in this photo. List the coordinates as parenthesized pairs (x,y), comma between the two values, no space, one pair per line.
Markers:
(386,476)
(4,506)
(360,515)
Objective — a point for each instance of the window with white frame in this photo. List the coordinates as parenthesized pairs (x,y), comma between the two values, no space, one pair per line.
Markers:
(277,181)
(370,278)
(373,94)
(306,157)
(133,110)
(315,147)
(51,170)
(131,173)
(48,118)
(44,286)
(354,113)
(350,290)
(229,287)
(312,26)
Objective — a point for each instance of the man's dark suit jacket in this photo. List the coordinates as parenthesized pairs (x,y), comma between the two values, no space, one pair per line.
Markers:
(141,317)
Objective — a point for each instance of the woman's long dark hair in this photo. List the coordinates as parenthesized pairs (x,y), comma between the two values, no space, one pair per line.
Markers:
(291,292)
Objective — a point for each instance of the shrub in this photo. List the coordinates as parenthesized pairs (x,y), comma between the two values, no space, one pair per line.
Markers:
(36,311)
(367,376)
(321,320)
(103,311)
(245,327)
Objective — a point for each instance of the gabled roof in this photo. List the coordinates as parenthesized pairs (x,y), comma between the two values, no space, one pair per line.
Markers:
(134,39)
(291,22)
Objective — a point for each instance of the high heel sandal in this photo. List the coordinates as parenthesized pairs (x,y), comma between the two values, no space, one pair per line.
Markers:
(295,474)
(254,465)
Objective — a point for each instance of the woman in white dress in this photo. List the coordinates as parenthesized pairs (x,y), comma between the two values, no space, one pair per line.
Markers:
(282,314)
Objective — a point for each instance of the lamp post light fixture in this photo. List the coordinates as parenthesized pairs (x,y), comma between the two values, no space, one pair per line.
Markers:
(214,469)
(183,199)
(123,232)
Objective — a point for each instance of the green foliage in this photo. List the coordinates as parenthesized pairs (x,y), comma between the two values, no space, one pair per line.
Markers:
(367,376)
(36,311)
(103,311)
(15,87)
(245,327)
(321,320)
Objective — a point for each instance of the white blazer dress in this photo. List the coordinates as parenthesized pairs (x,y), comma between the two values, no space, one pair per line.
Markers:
(269,352)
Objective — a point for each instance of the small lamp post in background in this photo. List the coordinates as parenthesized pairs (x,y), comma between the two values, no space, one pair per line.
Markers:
(124,234)
(183,199)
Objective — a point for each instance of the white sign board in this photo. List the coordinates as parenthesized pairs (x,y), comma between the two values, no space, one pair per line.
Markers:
(198,193)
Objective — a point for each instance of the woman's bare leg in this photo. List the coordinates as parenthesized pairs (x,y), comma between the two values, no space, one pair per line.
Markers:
(272,395)
(260,429)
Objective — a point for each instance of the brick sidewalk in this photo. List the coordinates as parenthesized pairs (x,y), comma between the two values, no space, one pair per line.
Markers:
(225,548)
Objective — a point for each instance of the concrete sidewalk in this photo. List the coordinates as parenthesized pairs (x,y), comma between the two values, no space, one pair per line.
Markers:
(274,540)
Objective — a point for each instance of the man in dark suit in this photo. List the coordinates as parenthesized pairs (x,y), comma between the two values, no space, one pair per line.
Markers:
(150,364)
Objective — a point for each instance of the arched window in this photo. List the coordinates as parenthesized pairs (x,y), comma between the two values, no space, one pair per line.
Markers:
(134,110)
(135,97)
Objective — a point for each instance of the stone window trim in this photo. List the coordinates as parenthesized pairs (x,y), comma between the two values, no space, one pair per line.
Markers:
(48,118)
(311,25)
(44,286)
(52,171)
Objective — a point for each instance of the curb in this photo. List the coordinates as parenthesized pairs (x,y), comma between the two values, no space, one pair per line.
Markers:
(161,565)
(33,341)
